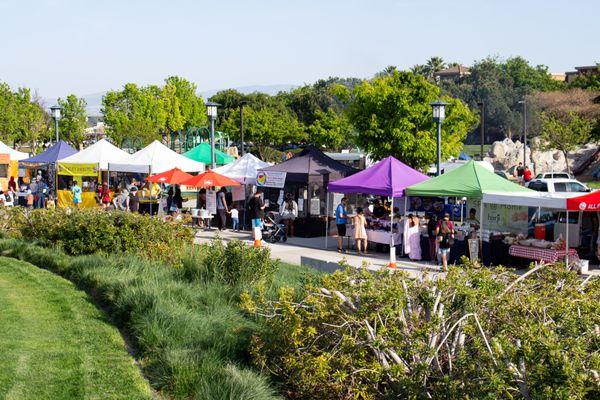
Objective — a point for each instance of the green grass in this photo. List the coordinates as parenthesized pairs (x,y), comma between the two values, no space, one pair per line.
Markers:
(55,344)
(593,184)
(474,150)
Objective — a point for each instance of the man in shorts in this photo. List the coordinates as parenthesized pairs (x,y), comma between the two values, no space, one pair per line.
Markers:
(341,218)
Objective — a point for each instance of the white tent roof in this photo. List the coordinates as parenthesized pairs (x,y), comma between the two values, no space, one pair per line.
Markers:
(102,152)
(14,154)
(243,169)
(556,200)
(156,158)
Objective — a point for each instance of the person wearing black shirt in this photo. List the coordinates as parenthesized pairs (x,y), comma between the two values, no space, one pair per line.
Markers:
(379,210)
(256,206)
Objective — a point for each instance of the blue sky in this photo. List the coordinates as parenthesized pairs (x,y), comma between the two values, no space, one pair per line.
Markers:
(83,47)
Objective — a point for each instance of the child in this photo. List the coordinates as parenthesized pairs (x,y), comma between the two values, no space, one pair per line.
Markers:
(360,232)
(235,217)
(29,199)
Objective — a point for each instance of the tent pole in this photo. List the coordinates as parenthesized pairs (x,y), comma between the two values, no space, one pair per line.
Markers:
(567,240)
(480,230)
(326,218)
(404,222)
(392,263)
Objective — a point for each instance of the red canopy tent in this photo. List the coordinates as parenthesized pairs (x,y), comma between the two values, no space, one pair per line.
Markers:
(208,179)
(587,202)
(173,176)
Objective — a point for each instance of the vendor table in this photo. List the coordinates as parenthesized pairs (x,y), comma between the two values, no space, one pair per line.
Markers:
(149,207)
(379,236)
(546,255)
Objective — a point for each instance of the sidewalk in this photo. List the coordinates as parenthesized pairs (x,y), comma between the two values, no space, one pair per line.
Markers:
(311,251)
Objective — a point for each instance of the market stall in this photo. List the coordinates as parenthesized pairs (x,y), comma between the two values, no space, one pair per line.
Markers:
(201,153)
(389,177)
(306,176)
(9,163)
(154,159)
(46,161)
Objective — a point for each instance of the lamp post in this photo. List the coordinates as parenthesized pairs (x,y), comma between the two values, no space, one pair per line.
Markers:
(481,105)
(524,102)
(211,113)
(242,104)
(438,108)
(56,116)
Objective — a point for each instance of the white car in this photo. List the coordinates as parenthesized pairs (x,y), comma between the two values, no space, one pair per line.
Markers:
(559,185)
(553,175)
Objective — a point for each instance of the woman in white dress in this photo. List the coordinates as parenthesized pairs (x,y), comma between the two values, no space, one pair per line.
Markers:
(414,238)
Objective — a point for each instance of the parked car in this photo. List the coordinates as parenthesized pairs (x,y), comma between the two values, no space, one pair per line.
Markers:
(502,174)
(557,185)
(553,175)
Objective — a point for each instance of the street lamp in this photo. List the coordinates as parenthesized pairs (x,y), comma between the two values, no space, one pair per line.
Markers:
(242,104)
(481,105)
(439,114)
(211,113)
(56,116)
(524,102)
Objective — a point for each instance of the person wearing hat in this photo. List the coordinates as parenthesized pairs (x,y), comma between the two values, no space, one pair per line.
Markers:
(133,201)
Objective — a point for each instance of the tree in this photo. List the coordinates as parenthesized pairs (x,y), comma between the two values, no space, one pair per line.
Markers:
(32,121)
(564,135)
(73,119)
(587,81)
(191,106)
(433,65)
(393,117)
(330,130)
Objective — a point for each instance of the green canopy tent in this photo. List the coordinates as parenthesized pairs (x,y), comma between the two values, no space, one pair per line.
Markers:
(201,153)
(471,181)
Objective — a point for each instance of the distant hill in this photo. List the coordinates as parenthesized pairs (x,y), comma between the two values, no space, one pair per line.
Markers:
(94,101)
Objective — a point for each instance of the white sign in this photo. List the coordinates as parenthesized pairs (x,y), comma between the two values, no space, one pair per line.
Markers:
(238,193)
(300,204)
(274,179)
(280,199)
(337,199)
(211,201)
(501,217)
(315,206)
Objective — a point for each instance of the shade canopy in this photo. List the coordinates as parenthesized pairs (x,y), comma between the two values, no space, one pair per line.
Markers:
(311,162)
(53,154)
(548,200)
(102,153)
(156,158)
(389,177)
(587,202)
(173,176)
(201,153)
(471,181)
(13,154)
(243,169)
(209,179)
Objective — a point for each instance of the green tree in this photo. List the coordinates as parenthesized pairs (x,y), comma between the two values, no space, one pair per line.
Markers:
(191,106)
(587,81)
(433,65)
(393,117)
(73,119)
(330,130)
(32,121)
(565,135)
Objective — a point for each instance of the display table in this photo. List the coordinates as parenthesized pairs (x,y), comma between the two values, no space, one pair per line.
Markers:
(376,236)
(149,207)
(538,254)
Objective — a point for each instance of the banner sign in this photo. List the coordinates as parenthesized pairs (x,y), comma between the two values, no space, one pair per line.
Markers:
(275,179)
(501,217)
(71,169)
(4,158)
(211,201)
(238,193)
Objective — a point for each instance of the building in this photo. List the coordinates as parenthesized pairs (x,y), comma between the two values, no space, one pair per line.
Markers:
(585,70)
(454,72)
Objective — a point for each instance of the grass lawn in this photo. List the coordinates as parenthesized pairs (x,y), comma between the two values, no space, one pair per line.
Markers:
(55,344)
(474,150)
(593,184)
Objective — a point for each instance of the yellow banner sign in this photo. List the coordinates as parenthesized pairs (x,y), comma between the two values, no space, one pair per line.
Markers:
(71,169)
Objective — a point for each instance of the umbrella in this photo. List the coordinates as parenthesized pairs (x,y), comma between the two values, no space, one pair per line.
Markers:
(209,179)
(173,176)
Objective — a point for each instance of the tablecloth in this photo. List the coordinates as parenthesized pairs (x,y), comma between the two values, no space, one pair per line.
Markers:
(373,236)
(546,255)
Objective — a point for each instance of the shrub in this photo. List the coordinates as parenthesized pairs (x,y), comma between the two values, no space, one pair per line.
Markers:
(476,333)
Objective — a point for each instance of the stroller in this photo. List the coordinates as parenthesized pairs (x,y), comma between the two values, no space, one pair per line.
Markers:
(273,231)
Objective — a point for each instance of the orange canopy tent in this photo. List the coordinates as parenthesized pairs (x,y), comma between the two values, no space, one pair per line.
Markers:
(173,176)
(209,179)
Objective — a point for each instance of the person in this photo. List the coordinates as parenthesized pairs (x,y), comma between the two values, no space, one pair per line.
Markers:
(12,185)
(29,199)
(379,209)
(235,218)
(256,206)
(42,191)
(104,195)
(472,220)
(288,212)
(133,201)
(360,231)
(9,200)
(341,217)
(76,191)
(527,174)
(518,173)
(120,200)
(51,202)
(445,235)
(222,208)
(431,232)
(177,201)
(414,238)
(154,190)
(33,187)
(171,207)
(2,198)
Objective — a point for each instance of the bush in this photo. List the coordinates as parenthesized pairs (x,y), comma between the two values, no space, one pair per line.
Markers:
(476,333)
(89,231)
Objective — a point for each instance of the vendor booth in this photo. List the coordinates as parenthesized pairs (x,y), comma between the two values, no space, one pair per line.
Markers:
(306,176)
(389,177)
(46,161)
(154,159)
(244,169)
(202,153)
(9,163)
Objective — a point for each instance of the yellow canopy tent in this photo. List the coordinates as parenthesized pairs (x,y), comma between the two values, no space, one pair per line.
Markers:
(87,177)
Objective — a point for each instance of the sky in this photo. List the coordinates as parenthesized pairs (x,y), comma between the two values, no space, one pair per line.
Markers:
(58,47)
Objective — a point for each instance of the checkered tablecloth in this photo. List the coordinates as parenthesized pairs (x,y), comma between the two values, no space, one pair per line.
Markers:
(546,255)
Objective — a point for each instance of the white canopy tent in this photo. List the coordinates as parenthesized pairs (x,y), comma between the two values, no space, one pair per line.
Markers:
(154,159)
(556,201)
(243,170)
(14,154)
(102,153)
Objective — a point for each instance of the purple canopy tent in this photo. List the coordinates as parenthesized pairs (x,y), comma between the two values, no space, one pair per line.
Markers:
(389,177)
(48,159)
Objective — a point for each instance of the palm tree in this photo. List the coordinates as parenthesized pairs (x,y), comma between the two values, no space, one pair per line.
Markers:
(433,65)
(419,69)
(387,71)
